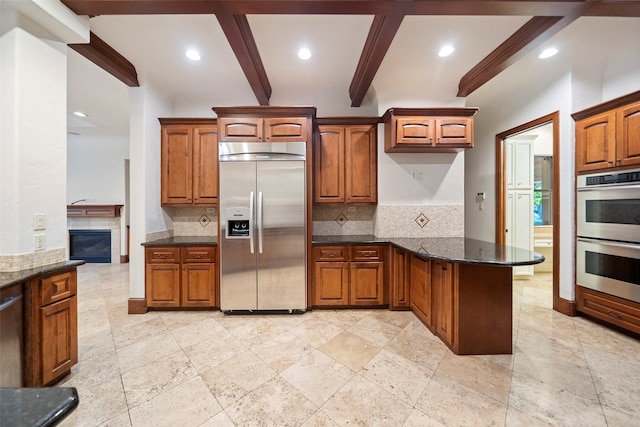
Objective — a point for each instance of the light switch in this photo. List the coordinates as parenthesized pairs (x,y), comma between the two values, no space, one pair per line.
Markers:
(39,221)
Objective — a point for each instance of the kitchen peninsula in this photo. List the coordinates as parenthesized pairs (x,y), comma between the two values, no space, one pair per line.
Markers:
(461,289)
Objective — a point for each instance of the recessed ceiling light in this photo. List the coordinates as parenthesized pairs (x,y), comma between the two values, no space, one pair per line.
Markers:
(548,53)
(446,50)
(79,114)
(304,53)
(193,54)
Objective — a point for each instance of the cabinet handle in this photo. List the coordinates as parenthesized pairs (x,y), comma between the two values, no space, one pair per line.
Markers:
(614,314)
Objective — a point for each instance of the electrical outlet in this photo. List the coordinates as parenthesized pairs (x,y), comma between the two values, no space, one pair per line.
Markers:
(351,209)
(40,242)
(39,221)
(416,174)
(211,211)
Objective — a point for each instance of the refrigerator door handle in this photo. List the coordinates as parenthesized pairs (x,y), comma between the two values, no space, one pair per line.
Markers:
(259,220)
(251,217)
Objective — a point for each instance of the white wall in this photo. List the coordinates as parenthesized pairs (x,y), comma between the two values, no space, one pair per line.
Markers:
(146,214)
(33,157)
(505,106)
(95,168)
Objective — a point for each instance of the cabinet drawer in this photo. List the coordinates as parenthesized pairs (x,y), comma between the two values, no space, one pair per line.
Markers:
(623,313)
(329,253)
(155,255)
(366,253)
(58,287)
(199,254)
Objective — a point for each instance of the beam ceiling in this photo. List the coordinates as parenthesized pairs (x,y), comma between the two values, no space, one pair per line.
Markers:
(549,17)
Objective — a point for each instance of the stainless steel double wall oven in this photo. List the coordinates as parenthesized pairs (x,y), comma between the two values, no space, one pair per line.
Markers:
(608,229)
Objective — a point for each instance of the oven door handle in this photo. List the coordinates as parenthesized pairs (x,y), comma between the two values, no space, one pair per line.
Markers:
(609,187)
(610,243)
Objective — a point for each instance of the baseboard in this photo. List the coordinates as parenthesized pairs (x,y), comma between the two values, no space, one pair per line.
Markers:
(137,305)
(565,306)
(124,259)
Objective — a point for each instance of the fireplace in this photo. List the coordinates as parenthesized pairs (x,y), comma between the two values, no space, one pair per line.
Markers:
(90,245)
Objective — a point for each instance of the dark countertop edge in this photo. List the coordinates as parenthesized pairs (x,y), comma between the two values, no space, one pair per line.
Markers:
(371,240)
(8,278)
(183,241)
(44,406)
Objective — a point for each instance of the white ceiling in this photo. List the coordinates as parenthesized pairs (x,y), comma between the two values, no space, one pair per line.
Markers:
(411,73)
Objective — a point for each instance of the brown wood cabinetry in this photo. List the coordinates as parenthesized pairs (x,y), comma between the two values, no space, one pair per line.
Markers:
(51,327)
(189,162)
(428,130)
(445,289)
(269,129)
(608,136)
(345,164)
(348,275)
(614,310)
(399,298)
(180,276)
(420,290)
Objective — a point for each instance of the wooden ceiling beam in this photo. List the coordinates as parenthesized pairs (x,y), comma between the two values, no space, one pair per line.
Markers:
(537,30)
(358,7)
(238,33)
(381,34)
(107,58)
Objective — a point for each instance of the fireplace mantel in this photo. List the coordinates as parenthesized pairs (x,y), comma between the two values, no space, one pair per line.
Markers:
(93,211)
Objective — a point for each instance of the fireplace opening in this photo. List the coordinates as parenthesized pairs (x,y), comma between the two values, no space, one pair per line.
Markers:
(90,245)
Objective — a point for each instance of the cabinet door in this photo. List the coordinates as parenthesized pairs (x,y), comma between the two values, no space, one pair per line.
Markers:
(366,283)
(420,289)
(329,166)
(176,165)
(595,142)
(205,166)
(628,135)
(519,163)
(454,131)
(246,129)
(198,285)
(163,285)
(444,301)
(331,283)
(399,279)
(361,162)
(415,131)
(59,337)
(520,234)
(286,129)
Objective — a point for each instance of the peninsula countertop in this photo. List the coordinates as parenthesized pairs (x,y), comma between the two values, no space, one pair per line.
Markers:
(454,249)
(8,278)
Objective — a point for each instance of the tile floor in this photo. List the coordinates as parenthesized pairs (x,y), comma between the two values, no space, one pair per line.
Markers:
(340,368)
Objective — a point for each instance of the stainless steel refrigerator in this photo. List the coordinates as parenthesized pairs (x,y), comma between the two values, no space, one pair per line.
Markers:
(262,239)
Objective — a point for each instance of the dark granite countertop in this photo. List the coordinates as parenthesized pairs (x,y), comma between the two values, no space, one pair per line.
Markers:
(8,278)
(32,407)
(184,241)
(454,249)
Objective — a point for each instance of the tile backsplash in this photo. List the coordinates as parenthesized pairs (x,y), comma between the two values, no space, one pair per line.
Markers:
(390,221)
(195,221)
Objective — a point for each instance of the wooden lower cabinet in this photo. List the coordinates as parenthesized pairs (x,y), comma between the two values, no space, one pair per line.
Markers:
(445,289)
(51,327)
(616,311)
(181,277)
(420,290)
(348,275)
(399,279)
(59,323)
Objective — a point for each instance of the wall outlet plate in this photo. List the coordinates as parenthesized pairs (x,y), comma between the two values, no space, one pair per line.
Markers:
(40,242)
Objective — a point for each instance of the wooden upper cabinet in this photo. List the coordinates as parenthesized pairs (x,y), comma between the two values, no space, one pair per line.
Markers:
(328,157)
(243,129)
(346,164)
(608,135)
(189,162)
(628,142)
(428,130)
(264,124)
(285,129)
(361,162)
(595,142)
